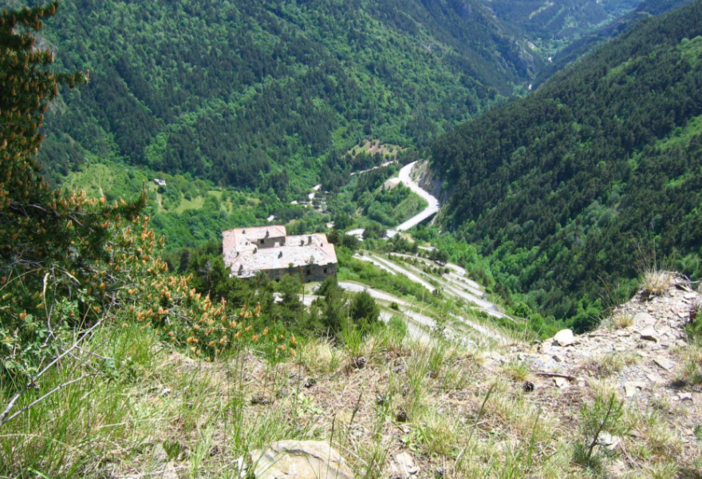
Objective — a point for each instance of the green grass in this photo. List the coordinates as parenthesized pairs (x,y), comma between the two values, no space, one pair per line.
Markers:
(408,207)
(194,204)
(154,408)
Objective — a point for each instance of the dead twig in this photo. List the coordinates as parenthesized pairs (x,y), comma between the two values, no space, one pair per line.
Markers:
(32,383)
(53,391)
(557,375)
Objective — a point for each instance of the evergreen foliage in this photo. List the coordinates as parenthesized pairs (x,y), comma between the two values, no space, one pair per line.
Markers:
(553,23)
(69,263)
(257,94)
(590,41)
(563,190)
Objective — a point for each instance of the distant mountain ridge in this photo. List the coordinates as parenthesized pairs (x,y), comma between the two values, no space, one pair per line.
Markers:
(557,19)
(572,189)
(600,36)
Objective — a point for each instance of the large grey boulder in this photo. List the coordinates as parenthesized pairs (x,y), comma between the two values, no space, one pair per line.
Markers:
(299,460)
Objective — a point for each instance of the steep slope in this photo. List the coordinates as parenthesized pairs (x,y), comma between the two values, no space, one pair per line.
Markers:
(557,21)
(613,29)
(572,188)
(236,91)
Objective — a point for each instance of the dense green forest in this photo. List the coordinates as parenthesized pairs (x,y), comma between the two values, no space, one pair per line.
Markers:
(589,41)
(241,106)
(553,24)
(573,189)
(240,93)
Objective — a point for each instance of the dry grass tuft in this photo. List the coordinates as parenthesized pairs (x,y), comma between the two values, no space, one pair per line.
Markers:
(517,370)
(605,365)
(657,282)
(622,320)
(462,417)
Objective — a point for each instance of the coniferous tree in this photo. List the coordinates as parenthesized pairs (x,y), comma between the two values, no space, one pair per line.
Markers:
(69,262)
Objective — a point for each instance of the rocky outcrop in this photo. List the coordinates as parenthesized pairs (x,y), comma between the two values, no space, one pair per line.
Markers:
(430,181)
(642,350)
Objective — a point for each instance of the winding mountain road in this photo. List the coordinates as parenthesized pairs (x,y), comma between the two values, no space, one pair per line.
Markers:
(433,205)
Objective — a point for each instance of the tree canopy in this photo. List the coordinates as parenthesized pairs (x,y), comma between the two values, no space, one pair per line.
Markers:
(573,190)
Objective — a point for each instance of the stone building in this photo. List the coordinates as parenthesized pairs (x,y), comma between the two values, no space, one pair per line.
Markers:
(247,251)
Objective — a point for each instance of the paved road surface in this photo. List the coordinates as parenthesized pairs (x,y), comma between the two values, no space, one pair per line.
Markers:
(432,208)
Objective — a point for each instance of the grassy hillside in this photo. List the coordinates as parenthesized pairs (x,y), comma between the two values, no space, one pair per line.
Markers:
(596,175)
(240,91)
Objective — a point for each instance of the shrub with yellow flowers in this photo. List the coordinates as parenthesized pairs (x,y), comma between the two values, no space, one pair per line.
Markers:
(67,261)
(210,333)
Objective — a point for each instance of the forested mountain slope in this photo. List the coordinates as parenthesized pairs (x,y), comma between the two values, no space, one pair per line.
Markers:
(555,22)
(235,91)
(613,29)
(565,188)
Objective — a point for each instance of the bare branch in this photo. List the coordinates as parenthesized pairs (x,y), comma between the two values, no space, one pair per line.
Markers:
(33,381)
(557,375)
(53,391)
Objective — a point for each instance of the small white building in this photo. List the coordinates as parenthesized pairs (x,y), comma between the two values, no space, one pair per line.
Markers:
(159,182)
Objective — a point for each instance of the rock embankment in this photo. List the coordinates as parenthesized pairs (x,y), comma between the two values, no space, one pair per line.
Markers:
(648,332)
(642,352)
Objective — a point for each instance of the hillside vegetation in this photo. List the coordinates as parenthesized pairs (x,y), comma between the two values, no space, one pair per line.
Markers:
(113,365)
(240,91)
(571,189)
(553,24)
(591,40)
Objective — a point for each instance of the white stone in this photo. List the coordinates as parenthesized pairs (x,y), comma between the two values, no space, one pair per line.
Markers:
(497,357)
(664,363)
(608,440)
(561,383)
(403,466)
(643,318)
(564,337)
(631,388)
(299,460)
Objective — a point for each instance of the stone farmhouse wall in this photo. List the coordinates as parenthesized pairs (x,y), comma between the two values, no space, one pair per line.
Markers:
(310,273)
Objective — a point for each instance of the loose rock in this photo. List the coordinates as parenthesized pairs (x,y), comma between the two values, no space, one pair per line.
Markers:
(403,466)
(609,441)
(649,334)
(685,396)
(664,363)
(561,382)
(299,460)
(564,338)
(644,318)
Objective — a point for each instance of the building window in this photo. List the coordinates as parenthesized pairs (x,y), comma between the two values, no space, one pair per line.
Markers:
(309,272)
(325,270)
(262,241)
